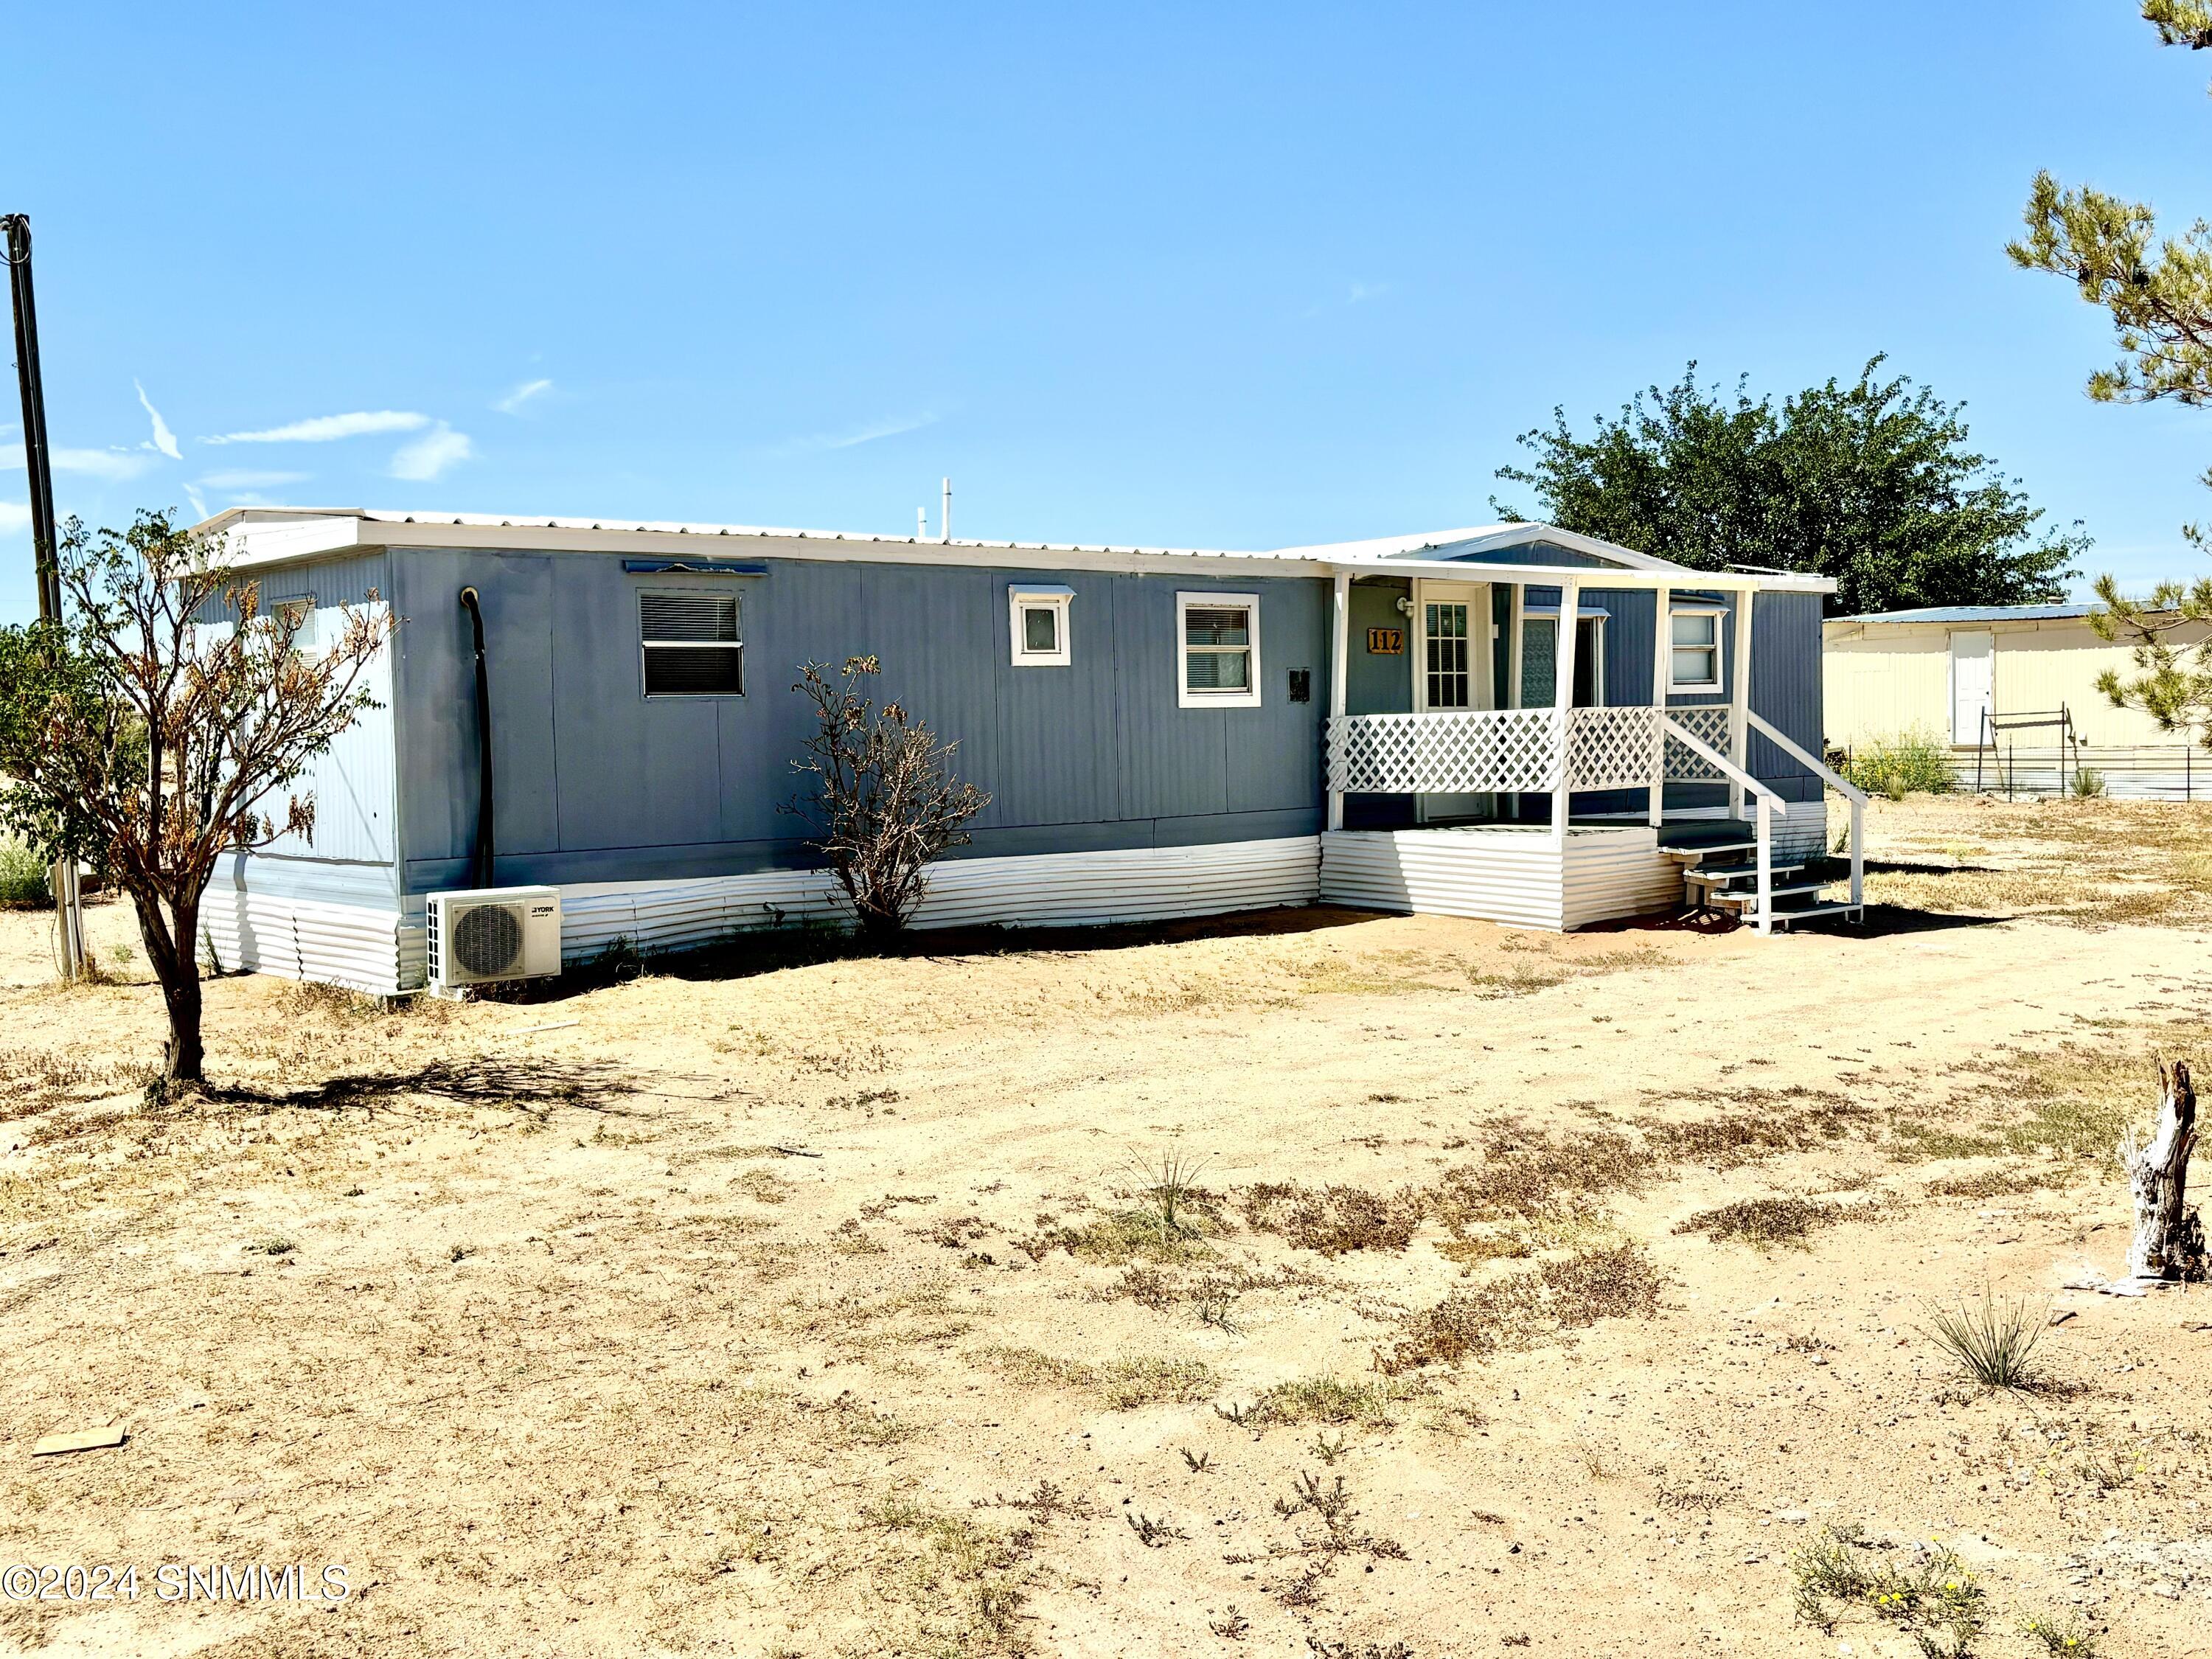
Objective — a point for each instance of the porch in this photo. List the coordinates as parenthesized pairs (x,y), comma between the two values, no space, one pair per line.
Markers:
(1536,772)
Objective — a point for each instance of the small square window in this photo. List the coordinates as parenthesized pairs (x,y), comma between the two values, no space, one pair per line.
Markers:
(1217,650)
(691,644)
(1038,626)
(1694,637)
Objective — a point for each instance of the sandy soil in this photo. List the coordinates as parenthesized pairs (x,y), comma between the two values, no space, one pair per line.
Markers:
(820,1308)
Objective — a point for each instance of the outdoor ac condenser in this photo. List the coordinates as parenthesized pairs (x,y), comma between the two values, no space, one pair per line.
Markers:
(494,933)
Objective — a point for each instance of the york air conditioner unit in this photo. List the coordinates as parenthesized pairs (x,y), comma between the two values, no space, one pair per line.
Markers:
(494,933)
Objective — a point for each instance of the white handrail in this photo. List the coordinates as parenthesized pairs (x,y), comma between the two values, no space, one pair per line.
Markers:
(1766,799)
(1842,786)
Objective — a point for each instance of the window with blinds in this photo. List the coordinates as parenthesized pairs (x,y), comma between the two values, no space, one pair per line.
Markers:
(1218,645)
(691,644)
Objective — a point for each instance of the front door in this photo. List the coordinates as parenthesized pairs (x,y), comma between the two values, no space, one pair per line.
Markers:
(1974,658)
(1451,671)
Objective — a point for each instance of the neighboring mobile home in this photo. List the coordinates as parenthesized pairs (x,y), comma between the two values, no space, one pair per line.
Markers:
(1984,677)
(1493,722)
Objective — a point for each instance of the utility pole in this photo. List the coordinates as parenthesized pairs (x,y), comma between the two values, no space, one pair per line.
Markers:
(68,908)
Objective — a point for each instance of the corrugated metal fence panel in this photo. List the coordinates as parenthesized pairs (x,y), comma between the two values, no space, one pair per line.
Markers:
(1619,875)
(2162,772)
(348,945)
(1065,890)
(1497,878)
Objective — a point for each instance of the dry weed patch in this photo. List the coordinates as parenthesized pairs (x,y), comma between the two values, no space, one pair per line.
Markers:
(1763,1221)
(1121,1384)
(1332,1400)
(1523,1309)
(1333,1220)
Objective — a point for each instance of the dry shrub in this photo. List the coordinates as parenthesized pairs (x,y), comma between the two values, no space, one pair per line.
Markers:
(1763,1221)
(1520,1310)
(1334,1219)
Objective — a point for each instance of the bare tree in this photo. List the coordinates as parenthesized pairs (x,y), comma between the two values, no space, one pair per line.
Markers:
(883,803)
(139,739)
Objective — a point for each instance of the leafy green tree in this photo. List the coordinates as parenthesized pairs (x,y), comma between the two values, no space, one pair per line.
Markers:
(1871,483)
(136,740)
(2159,293)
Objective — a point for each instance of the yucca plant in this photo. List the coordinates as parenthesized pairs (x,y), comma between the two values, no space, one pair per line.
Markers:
(1993,1340)
(1170,1182)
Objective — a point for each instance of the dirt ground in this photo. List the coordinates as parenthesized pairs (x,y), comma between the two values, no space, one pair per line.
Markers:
(1571,1294)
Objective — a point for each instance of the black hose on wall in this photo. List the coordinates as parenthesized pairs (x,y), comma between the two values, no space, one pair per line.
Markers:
(481,867)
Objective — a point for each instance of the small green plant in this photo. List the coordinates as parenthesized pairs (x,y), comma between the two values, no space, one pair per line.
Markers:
(1154,1534)
(1196,1462)
(2088,783)
(1329,1450)
(1170,1182)
(2071,1636)
(1935,1601)
(1908,763)
(273,1245)
(1993,1340)
(23,875)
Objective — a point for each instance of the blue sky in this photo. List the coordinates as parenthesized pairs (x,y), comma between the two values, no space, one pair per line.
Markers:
(1231,277)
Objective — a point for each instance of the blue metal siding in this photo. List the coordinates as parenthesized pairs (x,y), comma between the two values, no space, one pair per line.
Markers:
(612,787)
(1379,684)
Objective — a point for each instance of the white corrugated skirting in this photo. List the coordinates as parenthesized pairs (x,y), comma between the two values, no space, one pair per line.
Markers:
(350,945)
(1505,875)
(1610,877)
(1055,890)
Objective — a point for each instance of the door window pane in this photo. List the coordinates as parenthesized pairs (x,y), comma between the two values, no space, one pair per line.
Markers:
(1447,649)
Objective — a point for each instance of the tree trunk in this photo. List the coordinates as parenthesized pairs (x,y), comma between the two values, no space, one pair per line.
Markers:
(2169,1242)
(170,949)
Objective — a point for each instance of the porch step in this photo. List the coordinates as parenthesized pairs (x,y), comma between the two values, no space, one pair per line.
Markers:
(1808,912)
(1710,875)
(1747,897)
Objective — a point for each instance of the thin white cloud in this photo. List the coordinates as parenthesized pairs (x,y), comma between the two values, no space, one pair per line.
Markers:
(429,455)
(14,516)
(164,440)
(1362,292)
(243,478)
(823,441)
(198,502)
(110,465)
(326,428)
(512,403)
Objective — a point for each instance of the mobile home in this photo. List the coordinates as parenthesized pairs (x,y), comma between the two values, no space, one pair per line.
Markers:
(1511,722)
(2011,690)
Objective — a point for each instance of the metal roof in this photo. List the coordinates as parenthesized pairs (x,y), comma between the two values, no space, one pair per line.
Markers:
(1977,613)
(262,535)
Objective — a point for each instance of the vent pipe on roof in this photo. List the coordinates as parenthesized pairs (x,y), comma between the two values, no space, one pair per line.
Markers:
(922,524)
(945,517)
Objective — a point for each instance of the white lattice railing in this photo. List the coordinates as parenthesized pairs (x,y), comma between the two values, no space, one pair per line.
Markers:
(1502,749)
(1708,722)
(1463,751)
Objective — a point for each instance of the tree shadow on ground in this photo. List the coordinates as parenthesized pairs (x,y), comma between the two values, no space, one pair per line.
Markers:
(518,1085)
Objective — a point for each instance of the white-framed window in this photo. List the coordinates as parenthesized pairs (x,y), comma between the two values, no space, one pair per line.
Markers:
(1217,650)
(1693,636)
(691,644)
(1037,623)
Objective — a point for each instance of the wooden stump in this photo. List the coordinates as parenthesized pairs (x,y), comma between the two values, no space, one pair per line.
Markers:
(2169,1241)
